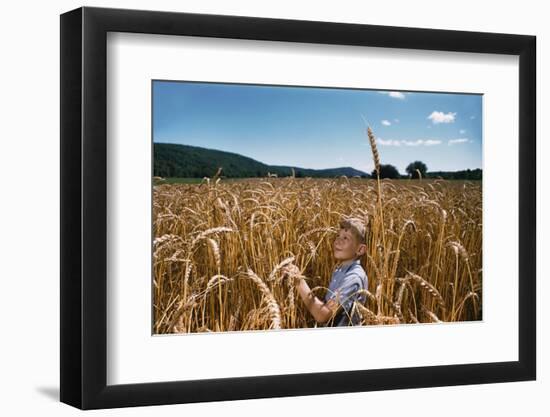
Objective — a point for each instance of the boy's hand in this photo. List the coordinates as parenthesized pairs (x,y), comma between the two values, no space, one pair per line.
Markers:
(292,271)
(333,305)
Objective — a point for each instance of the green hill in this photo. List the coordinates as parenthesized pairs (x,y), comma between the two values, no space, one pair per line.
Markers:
(173,160)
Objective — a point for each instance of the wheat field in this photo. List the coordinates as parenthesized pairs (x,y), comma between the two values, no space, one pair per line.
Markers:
(220,247)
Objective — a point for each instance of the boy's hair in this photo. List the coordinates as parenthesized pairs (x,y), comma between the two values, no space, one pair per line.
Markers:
(357,227)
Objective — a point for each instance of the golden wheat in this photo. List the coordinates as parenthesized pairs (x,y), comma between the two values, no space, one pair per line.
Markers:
(423,260)
(273,307)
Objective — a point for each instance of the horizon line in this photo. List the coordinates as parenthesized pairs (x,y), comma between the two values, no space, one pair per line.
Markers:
(290,166)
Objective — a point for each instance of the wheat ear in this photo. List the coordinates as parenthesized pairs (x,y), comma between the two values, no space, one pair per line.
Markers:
(272,305)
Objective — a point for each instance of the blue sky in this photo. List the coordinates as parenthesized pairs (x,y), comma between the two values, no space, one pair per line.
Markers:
(321,127)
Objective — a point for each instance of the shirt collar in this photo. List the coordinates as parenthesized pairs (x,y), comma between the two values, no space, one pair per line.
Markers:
(347,267)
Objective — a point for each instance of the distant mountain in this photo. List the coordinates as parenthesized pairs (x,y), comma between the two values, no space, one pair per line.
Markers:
(173,160)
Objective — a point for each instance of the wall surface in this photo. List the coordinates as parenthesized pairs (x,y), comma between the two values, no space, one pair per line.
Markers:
(29,164)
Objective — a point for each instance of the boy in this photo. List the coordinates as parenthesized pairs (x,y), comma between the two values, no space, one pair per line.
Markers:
(347,280)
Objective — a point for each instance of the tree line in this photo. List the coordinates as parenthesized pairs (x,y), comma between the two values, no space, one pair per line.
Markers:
(418,170)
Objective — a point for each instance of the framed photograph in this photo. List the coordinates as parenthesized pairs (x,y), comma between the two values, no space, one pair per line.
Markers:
(257,207)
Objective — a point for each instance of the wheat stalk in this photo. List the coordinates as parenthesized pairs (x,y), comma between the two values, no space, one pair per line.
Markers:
(427,287)
(279,267)
(272,305)
(374,149)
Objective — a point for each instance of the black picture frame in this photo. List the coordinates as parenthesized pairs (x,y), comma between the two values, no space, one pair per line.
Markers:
(83,180)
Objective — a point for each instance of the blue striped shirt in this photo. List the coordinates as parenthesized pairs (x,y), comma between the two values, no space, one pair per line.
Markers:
(346,281)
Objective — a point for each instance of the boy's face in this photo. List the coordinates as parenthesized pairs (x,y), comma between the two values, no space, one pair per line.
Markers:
(346,246)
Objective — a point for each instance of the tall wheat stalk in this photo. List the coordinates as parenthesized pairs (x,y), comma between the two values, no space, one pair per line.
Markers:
(376,158)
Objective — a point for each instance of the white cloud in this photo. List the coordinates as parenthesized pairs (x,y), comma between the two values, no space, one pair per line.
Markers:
(386,122)
(459,140)
(462,131)
(422,142)
(397,94)
(418,142)
(440,117)
(388,142)
(396,120)
(413,142)
(394,94)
